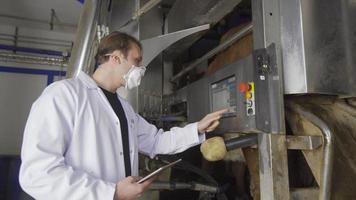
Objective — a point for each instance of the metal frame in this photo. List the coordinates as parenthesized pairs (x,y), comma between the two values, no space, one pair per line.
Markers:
(273,144)
(304,142)
(274,183)
(328,150)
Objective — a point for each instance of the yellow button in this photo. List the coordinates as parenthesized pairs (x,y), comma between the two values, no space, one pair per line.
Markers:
(248,95)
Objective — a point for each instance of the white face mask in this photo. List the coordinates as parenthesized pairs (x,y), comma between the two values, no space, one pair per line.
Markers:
(133,77)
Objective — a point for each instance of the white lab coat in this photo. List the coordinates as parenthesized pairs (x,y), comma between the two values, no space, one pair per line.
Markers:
(72,145)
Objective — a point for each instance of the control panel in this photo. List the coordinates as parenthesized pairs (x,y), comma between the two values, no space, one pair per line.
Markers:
(231,87)
(224,95)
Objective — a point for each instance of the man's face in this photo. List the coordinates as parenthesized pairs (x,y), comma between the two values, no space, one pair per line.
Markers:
(134,56)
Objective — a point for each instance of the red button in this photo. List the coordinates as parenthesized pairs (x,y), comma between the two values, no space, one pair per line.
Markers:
(244,87)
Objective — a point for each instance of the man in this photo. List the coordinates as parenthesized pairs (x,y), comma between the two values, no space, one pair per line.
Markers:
(81,140)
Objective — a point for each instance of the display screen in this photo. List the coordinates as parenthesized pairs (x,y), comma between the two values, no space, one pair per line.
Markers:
(223,95)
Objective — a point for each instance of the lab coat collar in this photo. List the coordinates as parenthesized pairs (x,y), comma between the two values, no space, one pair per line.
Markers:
(87,80)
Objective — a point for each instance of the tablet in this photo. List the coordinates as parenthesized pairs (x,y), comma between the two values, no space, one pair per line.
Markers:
(158,171)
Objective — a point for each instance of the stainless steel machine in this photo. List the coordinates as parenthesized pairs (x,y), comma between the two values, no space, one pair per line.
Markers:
(296,90)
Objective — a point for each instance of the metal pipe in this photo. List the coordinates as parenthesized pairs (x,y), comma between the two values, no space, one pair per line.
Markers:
(6,57)
(25,61)
(11,37)
(247,29)
(31,50)
(169,186)
(328,149)
(205,188)
(30,42)
(179,185)
(145,8)
(67,46)
(84,38)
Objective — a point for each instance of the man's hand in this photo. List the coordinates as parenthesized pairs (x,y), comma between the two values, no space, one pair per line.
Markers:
(210,121)
(128,188)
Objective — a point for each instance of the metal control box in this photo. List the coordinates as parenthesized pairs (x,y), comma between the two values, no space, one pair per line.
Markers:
(231,87)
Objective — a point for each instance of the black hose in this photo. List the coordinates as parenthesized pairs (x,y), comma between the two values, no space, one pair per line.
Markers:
(241,142)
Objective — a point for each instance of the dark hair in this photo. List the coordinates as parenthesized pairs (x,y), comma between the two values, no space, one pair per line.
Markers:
(115,41)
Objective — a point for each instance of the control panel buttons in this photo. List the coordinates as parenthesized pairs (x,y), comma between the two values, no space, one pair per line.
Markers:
(248,88)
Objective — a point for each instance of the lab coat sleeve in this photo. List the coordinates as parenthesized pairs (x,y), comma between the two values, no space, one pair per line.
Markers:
(153,141)
(44,173)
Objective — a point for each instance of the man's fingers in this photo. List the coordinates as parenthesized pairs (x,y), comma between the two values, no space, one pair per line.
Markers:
(220,112)
(215,119)
(211,123)
(131,179)
(213,126)
(135,178)
(217,114)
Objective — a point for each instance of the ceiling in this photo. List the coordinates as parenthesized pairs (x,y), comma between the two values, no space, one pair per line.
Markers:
(35,12)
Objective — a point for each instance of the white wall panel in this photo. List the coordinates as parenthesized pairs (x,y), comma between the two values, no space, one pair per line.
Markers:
(17,93)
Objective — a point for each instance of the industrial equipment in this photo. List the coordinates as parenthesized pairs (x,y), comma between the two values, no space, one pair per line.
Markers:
(294,92)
